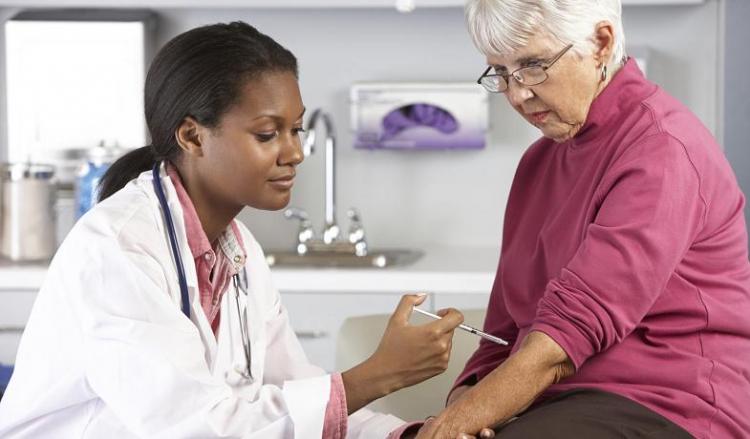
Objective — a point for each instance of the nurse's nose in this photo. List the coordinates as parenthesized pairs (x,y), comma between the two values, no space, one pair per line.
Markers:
(291,151)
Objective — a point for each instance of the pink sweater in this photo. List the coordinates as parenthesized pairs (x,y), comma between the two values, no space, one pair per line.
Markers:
(627,245)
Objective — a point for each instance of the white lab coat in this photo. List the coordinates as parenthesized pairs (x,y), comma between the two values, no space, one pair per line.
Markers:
(107,351)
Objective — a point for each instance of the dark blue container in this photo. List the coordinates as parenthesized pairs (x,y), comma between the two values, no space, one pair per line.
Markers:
(87,186)
(97,162)
(5,373)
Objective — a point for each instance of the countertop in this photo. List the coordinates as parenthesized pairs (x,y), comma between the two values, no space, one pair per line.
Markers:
(455,270)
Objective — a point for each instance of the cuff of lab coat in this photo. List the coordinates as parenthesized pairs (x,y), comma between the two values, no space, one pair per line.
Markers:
(365,423)
(307,400)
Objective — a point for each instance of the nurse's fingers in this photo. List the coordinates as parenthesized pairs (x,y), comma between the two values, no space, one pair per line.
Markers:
(451,318)
(403,310)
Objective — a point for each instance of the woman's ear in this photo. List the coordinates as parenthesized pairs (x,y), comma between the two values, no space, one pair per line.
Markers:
(604,42)
(189,135)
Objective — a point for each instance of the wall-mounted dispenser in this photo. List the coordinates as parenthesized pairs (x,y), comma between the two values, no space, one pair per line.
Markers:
(419,115)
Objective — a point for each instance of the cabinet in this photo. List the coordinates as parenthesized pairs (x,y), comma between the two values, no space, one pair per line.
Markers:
(315,317)
(318,300)
(318,317)
(14,312)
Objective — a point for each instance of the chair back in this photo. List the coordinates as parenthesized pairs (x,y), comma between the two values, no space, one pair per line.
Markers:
(360,336)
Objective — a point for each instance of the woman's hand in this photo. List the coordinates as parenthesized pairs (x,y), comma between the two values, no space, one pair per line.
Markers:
(455,395)
(506,391)
(406,355)
(426,431)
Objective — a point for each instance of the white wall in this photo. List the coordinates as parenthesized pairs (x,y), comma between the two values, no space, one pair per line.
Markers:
(414,199)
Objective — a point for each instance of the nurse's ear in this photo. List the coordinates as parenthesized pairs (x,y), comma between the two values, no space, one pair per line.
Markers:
(189,135)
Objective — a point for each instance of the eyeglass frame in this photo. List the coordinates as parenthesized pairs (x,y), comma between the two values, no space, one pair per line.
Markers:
(546,64)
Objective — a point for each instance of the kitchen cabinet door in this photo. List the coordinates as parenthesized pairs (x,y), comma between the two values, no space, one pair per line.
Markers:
(14,312)
(317,318)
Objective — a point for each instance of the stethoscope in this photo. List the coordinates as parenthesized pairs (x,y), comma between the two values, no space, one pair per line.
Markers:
(182,279)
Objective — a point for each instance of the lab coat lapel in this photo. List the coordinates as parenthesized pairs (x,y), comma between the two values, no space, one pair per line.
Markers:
(230,355)
(256,311)
(230,361)
(196,311)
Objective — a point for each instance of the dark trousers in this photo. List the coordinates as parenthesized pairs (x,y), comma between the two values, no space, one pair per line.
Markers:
(586,413)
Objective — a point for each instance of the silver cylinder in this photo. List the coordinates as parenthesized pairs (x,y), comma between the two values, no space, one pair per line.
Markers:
(28,223)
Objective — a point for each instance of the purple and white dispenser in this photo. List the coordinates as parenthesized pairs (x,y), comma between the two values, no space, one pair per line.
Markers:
(418,116)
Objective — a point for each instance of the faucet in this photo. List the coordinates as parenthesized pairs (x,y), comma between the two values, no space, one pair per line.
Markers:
(356,233)
(305,233)
(330,237)
(331,229)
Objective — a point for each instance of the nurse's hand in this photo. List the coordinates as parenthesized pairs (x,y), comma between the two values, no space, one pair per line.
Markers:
(407,355)
(415,353)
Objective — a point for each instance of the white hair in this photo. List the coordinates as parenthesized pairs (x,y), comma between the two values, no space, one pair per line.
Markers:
(501,27)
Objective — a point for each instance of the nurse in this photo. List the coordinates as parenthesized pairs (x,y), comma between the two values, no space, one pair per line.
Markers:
(158,317)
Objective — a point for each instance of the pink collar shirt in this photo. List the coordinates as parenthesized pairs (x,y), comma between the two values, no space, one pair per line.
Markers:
(215,264)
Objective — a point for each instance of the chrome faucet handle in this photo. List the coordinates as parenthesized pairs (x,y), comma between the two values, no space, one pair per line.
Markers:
(331,233)
(296,213)
(305,232)
(357,232)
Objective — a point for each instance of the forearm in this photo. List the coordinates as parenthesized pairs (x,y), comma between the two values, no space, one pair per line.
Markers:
(510,388)
(365,383)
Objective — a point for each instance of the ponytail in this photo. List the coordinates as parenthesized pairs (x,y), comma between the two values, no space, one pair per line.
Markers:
(199,74)
(126,168)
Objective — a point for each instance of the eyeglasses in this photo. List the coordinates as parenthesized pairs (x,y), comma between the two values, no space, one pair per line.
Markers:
(528,76)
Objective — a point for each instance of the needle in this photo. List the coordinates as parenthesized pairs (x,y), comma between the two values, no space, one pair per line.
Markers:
(466,328)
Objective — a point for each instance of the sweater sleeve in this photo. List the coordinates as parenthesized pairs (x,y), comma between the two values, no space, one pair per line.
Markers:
(650,209)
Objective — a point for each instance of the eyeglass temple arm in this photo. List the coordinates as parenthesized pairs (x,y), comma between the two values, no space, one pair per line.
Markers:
(479,81)
(549,63)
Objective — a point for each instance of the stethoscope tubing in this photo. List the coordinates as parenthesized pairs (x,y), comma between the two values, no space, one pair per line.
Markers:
(181,277)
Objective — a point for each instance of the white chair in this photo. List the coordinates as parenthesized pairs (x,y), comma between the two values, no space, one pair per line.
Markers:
(359,337)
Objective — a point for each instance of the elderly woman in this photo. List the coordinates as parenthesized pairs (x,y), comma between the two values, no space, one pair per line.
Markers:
(624,282)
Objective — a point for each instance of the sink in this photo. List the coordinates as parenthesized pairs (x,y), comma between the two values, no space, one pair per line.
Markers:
(328,259)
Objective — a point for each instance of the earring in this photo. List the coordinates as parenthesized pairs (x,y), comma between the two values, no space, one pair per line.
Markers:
(604,73)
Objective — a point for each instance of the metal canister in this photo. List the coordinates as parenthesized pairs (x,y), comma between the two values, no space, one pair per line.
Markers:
(27,232)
